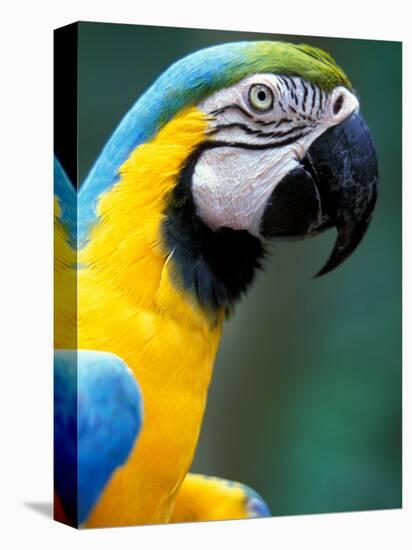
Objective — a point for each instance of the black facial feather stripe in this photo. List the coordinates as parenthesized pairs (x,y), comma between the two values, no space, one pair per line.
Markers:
(321,103)
(314,91)
(254,146)
(279,91)
(286,83)
(305,95)
(257,133)
(276,123)
(292,80)
(306,117)
(231,106)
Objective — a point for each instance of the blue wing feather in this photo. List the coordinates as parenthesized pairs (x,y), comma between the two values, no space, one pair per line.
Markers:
(98,415)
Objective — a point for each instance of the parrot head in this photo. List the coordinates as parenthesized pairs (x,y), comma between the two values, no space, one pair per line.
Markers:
(286,154)
(286,158)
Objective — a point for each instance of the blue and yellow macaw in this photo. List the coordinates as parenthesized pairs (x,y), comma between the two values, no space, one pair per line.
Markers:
(231,146)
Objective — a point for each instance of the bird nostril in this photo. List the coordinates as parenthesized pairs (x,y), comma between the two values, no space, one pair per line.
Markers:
(337,106)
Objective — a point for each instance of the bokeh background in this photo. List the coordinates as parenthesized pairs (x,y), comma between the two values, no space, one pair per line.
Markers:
(305,403)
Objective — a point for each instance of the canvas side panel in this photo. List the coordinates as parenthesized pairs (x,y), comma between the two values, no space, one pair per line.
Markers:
(65,276)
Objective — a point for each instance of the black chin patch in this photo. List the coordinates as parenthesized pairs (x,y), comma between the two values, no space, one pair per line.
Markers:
(217,267)
(293,208)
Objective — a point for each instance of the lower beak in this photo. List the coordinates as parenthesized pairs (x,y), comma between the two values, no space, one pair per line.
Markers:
(334,185)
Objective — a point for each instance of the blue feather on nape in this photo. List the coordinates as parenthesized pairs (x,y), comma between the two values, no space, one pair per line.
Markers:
(97,418)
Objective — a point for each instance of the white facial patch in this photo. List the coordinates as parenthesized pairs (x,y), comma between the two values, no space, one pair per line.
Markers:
(260,134)
(231,186)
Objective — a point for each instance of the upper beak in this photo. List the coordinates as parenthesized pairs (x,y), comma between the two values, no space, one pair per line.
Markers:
(335,185)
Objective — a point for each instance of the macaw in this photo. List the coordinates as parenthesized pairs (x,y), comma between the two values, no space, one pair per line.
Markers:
(231,146)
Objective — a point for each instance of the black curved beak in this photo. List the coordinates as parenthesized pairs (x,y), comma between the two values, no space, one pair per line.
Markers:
(335,185)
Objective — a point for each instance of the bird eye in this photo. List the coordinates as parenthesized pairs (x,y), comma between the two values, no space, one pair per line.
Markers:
(261,97)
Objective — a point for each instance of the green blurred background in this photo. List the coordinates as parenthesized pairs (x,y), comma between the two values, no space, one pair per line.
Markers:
(305,403)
